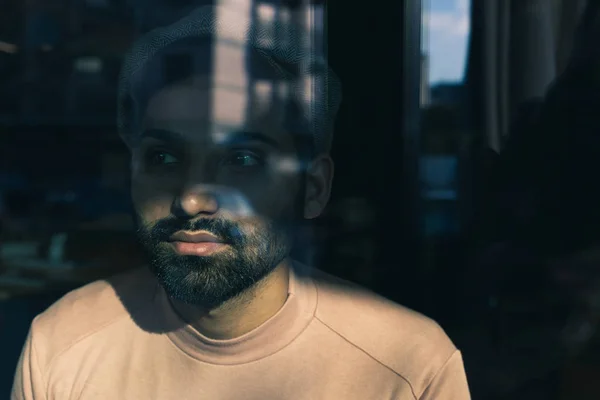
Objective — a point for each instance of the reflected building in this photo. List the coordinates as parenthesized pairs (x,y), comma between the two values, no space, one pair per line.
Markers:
(61,71)
(239,83)
(64,61)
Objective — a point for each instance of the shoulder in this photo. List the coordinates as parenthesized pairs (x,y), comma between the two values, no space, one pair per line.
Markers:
(402,340)
(89,309)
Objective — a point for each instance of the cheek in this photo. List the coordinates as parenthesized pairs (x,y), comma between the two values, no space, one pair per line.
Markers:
(150,204)
(277,200)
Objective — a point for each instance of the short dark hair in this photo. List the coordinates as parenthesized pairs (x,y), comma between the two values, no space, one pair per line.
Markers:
(312,127)
(144,86)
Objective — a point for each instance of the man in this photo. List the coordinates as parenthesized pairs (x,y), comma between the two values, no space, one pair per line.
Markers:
(223,312)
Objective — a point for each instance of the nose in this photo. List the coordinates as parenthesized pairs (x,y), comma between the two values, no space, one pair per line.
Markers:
(194,201)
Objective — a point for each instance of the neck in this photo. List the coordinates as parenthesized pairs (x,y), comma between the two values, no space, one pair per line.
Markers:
(244,313)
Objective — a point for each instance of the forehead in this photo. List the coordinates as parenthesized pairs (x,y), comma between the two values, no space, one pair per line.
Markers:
(200,110)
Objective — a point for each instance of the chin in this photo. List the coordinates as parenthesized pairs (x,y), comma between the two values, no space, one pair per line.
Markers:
(209,281)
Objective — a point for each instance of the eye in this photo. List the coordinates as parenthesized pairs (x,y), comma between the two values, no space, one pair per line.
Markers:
(159,157)
(244,159)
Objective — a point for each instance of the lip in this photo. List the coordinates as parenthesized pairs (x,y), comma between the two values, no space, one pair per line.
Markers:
(195,237)
(197,249)
(196,244)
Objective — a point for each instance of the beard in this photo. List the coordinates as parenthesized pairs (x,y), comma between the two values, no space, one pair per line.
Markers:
(255,248)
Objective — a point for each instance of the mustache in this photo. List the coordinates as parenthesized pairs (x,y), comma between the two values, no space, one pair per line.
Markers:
(226,231)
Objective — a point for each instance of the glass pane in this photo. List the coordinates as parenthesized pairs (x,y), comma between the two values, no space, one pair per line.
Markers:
(444,54)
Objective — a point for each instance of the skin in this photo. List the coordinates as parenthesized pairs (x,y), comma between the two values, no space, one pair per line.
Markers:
(183,174)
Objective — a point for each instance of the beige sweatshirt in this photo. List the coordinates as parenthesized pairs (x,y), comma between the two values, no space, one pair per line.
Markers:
(120,339)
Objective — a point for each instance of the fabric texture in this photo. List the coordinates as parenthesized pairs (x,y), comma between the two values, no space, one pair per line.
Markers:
(120,339)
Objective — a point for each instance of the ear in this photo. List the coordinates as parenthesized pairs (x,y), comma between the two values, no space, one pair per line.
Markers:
(319,176)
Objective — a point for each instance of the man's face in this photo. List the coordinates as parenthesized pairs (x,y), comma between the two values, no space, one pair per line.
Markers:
(215,209)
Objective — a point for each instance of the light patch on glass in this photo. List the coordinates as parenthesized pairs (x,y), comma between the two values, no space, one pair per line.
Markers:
(8,47)
(266,13)
(230,199)
(243,5)
(235,201)
(309,15)
(307,93)
(265,24)
(229,106)
(89,65)
(229,65)
(233,21)
(263,91)
(287,165)
(220,136)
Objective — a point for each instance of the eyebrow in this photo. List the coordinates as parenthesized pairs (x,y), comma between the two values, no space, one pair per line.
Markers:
(233,138)
(164,135)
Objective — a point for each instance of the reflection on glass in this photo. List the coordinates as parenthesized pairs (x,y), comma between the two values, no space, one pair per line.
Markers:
(307,18)
(233,22)
(287,165)
(443,59)
(89,65)
(285,20)
(242,6)
(284,89)
(307,92)
(229,106)
(266,13)
(229,65)
(263,91)
(8,47)
(265,25)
